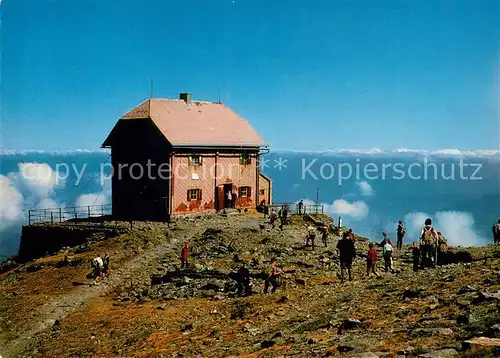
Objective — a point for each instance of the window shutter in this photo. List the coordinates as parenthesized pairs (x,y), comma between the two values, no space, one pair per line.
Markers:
(249,191)
(199,194)
(188,198)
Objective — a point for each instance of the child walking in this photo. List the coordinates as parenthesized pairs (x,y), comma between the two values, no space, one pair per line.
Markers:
(371,261)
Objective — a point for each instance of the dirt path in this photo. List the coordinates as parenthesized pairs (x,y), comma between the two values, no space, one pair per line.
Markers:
(56,309)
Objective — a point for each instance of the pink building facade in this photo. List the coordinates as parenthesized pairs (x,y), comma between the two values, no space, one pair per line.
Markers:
(210,151)
(202,182)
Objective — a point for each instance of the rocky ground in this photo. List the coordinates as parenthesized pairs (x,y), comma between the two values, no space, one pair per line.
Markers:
(151,308)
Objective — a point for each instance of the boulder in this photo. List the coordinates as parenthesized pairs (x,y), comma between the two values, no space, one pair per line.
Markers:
(482,342)
(444,353)
(267,344)
(348,324)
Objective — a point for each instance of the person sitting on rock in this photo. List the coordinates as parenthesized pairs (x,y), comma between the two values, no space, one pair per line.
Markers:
(387,253)
(311,236)
(416,256)
(442,246)
(274,277)
(371,260)
(347,254)
(260,207)
(442,242)
(243,281)
(185,255)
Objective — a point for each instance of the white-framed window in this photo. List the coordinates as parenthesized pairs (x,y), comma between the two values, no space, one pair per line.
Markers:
(194,194)
(195,160)
(245,191)
(245,159)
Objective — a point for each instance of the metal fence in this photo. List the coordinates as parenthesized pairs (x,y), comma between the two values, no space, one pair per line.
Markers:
(69,213)
(312,209)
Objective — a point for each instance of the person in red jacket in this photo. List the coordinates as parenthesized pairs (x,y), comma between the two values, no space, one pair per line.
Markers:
(371,260)
(185,255)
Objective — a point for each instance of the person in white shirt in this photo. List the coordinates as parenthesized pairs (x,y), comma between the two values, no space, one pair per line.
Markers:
(311,236)
(98,266)
(387,253)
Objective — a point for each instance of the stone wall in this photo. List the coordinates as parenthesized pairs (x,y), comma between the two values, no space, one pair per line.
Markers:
(42,239)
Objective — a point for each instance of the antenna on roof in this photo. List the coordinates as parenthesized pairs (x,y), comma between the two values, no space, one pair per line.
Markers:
(218,91)
(152,88)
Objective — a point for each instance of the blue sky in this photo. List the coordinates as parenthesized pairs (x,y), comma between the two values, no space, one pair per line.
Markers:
(308,75)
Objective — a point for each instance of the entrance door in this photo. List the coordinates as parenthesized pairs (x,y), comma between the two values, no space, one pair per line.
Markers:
(221,195)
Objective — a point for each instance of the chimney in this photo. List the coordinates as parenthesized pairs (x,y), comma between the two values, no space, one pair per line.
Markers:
(186,97)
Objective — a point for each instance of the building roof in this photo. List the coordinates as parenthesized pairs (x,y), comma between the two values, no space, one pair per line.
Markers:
(198,123)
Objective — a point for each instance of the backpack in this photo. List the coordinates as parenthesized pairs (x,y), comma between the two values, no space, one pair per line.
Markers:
(428,237)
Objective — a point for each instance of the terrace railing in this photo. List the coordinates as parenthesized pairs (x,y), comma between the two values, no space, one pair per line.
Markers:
(311,209)
(73,213)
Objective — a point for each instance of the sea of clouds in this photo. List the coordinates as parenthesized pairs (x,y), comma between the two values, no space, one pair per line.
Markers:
(32,183)
(458,227)
(33,186)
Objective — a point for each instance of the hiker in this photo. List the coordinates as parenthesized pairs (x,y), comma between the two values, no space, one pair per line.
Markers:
(416,256)
(234,197)
(428,242)
(97,266)
(243,280)
(106,270)
(284,213)
(283,218)
(386,239)
(442,242)
(273,278)
(324,235)
(401,234)
(311,236)
(347,253)
(272,217)
(496,233)
(266,209)
(371,260)
(442,246)
(300,206)
(387,253)
(185,255)
(348,235)
(261,208)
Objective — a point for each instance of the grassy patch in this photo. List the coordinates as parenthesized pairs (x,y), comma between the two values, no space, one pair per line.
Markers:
(321,322)
(140,336)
